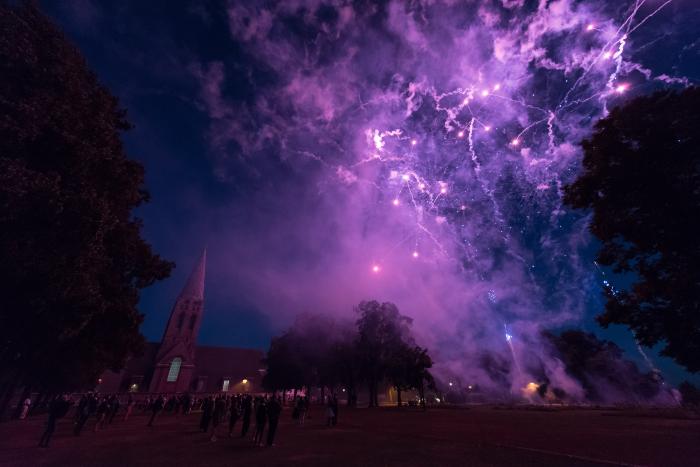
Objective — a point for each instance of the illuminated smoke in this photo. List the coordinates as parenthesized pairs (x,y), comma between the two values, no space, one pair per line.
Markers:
(425,145)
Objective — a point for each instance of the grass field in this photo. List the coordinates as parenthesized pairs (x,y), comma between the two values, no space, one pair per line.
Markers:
(477,436)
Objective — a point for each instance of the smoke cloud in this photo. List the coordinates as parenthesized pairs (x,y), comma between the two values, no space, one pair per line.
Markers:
(414,152)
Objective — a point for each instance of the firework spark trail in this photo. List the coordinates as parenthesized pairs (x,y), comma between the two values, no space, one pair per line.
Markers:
(626,23)
(462,132)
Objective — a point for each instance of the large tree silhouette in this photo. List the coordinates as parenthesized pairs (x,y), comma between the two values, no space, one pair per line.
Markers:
(641,179)
(72,259)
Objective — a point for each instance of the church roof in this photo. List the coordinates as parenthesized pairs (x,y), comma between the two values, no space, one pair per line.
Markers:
(195,284)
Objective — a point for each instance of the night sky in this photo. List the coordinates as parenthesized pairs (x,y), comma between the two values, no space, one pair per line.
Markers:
(329,152)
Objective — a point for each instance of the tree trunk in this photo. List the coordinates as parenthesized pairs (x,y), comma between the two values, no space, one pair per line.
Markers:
(398,396)
(421,394)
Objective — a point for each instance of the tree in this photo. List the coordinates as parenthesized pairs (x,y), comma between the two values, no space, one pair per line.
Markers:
(383,332)
(641,178)
(598,365)
(72,259)
(689,393)
(284,365)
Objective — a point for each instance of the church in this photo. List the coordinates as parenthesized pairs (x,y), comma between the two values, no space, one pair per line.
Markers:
(177,364)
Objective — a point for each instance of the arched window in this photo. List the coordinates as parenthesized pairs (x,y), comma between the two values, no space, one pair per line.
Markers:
(174,369)
(193,319)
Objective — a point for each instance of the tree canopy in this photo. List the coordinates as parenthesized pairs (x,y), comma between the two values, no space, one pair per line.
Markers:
(72,259)
(641,178)
(318,352)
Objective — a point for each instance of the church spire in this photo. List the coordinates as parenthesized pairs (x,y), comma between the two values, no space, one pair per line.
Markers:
(194,289)
(176,355)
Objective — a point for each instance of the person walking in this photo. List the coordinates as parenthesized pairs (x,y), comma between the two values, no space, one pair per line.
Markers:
(274,410)
(57,408)
(158,405)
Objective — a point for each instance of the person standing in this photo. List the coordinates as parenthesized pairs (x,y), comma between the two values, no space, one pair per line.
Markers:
(218,416)
(233,415)
(207,413)
(247,413)
(86,407)
(158,405)
(57,408)
(129,407)
(334,406)
(103,408)
(26,404)
(330,415)
(260,421)
(274,410)
(114,407)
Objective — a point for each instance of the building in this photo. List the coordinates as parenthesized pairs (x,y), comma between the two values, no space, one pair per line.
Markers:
(178,364)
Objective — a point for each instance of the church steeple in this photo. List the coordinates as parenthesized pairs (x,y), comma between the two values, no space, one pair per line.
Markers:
(180,336)
(195,284)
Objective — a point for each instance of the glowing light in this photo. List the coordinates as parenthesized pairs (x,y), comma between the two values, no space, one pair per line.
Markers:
(621,88)
(469,387)
(462,207)
(405,177)
(443,190)
(437,399)
(496,87)
(450,383)
(245,381)
(465,101)
(421,186)
(415,254)
(487,128)
(531,388)
(508,337)
(515,142)
(414,142)
(375,268)
(590,27)
(460,134)
(607,55)
(343,389)
(485,93)
(396,202)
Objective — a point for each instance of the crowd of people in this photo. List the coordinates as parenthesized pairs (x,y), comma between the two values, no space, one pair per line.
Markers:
(220,413)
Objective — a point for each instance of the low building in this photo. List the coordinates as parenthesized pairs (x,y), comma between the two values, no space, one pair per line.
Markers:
(177,364)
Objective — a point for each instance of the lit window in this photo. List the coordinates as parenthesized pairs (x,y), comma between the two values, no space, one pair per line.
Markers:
(224,387)
(174,369)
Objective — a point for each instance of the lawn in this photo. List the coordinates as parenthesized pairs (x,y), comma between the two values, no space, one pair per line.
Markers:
(483,435)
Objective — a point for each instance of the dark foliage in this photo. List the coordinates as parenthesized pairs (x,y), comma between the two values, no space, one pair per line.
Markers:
(690,393)
(72,260)
(599,367)
(317,352)
(641,178)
